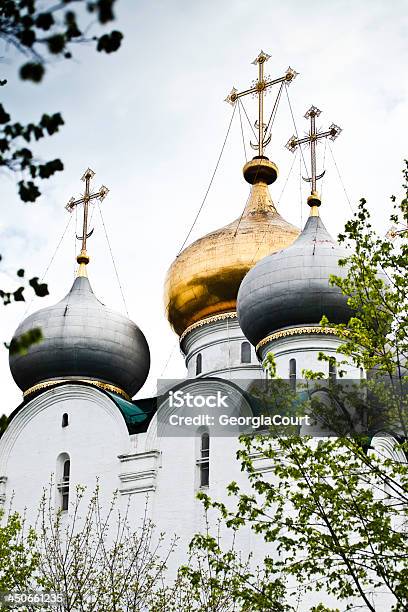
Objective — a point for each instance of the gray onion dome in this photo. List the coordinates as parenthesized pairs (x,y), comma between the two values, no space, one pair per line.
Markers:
(291,287)
(82,339)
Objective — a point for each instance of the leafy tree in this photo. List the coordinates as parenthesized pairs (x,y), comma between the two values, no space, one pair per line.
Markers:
(18,560)
(42,34)
(377,285)
(336,515)
(95,559)
(336,508)
(220,580)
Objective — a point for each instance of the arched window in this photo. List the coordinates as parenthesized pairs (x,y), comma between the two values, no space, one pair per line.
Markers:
(199,364)
(63,484)
(292,373)
(204,460)
(65,421)
(245,352)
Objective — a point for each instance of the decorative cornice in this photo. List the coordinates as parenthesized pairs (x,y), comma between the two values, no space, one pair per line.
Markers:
(150,454)
(296,331)
(96,383)
(207,321)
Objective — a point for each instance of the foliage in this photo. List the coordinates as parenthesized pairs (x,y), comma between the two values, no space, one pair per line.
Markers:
(18,561)
(40,289)
(337,516)
(335,508)
(3,424)
(220,581)
(21,344)
(42,34)
(34,29)
(94,558)
(377,285)
(33,336)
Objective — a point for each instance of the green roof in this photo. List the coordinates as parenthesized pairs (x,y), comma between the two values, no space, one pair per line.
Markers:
(136,414)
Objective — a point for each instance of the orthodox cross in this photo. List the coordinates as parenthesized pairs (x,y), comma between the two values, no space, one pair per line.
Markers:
(311,139)
(83,257)
(259,87)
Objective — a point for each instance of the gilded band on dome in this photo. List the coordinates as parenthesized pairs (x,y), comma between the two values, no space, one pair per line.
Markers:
(95,383)
(215,319)
(296,331)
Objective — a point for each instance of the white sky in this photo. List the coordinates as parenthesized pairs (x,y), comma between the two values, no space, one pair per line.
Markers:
(150,121)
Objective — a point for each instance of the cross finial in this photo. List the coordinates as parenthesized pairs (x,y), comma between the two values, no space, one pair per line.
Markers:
(83,257)
(258,88)
(311,139)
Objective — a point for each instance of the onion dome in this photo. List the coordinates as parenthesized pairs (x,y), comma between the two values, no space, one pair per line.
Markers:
(82,340)
(291,287)
(204,279)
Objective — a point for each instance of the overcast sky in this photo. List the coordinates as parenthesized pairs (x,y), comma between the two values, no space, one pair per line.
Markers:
(150,121)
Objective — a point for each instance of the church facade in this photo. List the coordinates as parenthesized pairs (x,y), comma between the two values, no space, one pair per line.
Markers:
(256,286)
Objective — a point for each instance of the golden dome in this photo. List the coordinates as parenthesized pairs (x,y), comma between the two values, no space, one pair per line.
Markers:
(204,279)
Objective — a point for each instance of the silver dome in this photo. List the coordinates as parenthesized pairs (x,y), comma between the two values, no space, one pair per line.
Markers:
(84,339)
(291,287)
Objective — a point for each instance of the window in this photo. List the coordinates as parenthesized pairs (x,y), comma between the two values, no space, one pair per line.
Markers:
(245,352)
(204,460)
(292,373)
(65,420)
(63,485)
(199,364)
(332,370)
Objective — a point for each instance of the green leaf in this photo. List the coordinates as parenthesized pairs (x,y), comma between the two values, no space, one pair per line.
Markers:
(28,191)
(19,295)
(48,169)
(109,42)
(21,344)
(40,289)
(44,21)
(56,43)
(32,71)
(4,117)
(51,123)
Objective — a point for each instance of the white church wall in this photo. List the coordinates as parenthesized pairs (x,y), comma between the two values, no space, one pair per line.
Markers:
(155,473)
(219,343)
(305,349)
(95,436)
(175,507)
